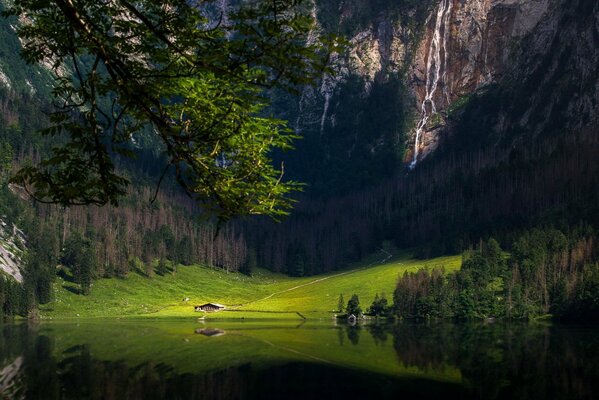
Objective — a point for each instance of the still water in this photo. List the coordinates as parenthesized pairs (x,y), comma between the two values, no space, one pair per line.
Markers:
(183,360)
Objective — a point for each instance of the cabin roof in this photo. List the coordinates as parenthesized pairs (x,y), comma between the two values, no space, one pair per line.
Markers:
(212,304)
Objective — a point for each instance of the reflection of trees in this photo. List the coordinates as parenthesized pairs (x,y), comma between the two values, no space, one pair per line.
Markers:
(506,361)
(13,339)
(424,346)
(79,376)
(378,331)
(84,377)
(497,361)
(353,334)
(340,336)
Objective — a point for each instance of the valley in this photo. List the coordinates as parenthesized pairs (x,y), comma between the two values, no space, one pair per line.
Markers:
(238,200)
(264,295)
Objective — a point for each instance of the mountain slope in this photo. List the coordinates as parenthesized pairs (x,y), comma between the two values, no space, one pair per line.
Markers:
(263,295)
(518,151)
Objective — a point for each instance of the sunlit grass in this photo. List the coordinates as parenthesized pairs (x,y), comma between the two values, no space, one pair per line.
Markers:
(263,295)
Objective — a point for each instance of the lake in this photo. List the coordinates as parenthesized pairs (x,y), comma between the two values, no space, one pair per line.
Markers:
(103,359)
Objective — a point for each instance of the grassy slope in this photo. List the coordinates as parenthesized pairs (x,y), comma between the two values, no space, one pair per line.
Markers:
(264,295)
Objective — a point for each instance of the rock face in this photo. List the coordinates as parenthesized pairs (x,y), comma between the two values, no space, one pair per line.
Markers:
(12,241)
(476,38)
(410,64)
(561,77)
(440,51)
(353,122)
(377,50)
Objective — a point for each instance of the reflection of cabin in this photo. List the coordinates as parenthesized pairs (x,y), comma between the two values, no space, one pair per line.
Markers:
(210,332)
(210,307)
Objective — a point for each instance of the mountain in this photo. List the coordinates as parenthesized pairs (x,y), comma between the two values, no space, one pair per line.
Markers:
(445,121)
(511,142)
(408,66)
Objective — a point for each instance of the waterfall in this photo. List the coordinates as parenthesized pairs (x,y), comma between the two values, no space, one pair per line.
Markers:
(434,66)
(326,89)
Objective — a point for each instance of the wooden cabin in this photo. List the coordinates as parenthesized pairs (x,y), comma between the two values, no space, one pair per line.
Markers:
(210,307)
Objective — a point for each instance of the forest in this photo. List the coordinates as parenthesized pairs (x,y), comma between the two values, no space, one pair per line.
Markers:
(482,183)
(545,274)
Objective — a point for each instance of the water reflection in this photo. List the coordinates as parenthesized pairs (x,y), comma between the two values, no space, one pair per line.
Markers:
(182,361)
(353,334)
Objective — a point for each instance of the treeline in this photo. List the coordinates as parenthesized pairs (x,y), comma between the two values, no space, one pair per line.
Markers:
(144,236)
(547,272)
(101,242)
(169,228)
(13,300)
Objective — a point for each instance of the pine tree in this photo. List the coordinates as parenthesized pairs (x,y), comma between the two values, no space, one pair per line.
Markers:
(162,267)
(353,306)
(80,258)
(341,303)
(378,308)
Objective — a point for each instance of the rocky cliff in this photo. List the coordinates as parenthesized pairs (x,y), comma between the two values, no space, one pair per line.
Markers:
(12,242)
(468,45)
(508,94)
(408,67)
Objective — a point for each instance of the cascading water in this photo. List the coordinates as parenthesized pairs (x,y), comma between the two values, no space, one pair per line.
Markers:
(434,66)
(326,89)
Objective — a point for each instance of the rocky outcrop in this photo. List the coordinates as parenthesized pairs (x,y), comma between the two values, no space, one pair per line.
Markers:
(12,241)
(381,48)
(477,42)
(559,70)
(443,51)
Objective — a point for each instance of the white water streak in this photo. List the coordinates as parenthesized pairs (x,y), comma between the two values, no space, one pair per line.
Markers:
(326,89)
(433,71)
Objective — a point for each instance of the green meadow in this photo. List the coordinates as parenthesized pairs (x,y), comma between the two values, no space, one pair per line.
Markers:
(263,295)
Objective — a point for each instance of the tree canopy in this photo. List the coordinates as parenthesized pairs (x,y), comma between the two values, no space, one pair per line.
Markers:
(193,74)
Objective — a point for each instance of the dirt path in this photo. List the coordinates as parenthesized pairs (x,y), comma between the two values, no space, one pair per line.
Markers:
(382,261)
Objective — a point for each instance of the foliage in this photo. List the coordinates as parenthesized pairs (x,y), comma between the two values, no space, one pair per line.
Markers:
(162,268)
(379,306)
(340,303)
(547,273)
(6,157)
(40,264)
(585,302)
(353,306)
(13,298)
(80,259)
(121,66)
